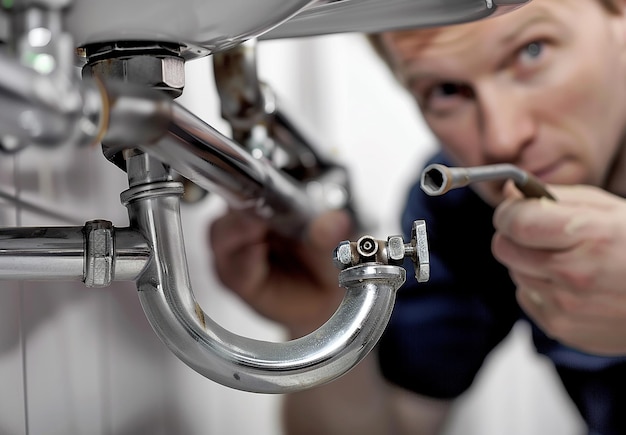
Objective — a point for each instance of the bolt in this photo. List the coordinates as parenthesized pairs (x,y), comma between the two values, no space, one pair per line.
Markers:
(158,72)
(395,249)
(99,253)
(342,255)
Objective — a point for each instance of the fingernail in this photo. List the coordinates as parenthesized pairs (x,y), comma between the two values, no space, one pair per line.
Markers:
(546,202)
(575,224)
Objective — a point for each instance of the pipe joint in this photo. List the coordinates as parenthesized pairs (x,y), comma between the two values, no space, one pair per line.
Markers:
(99,253)
(367,249)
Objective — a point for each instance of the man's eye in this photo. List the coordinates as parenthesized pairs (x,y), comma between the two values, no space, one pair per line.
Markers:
(444,90)
(448,90)
(445,97)
(531,52)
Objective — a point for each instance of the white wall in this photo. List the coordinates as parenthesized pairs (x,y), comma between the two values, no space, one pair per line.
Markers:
(89,363)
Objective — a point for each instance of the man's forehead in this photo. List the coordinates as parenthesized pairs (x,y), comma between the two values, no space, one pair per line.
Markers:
(407,46)
(415,39)
(465,36)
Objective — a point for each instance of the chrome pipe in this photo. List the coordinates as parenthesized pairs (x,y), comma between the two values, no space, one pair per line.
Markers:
(218,164)
(59,253)
(258,121)
(239,362)
(42,253)
(235,170)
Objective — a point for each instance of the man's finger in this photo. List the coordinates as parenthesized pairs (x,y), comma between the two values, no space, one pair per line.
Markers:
(541,223)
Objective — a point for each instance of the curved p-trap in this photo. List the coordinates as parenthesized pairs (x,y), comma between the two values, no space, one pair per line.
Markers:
(232,360)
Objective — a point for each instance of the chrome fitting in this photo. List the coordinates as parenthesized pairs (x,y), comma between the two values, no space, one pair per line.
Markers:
(99,253)
(395,248)
(342,256)
(163,71)
(419,251)
(366,247)
(393,251)
(151,190)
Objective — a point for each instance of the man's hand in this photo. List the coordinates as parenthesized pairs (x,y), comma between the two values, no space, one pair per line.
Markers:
(568,260)
(291,282)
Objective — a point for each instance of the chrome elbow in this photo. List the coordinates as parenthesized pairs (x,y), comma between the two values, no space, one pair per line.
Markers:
(244,363)
(239,362)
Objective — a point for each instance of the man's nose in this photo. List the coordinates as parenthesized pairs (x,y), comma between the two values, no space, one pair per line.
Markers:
(507,123)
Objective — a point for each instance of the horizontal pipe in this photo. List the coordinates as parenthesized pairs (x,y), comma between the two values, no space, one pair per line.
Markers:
(42,253)
(58,253)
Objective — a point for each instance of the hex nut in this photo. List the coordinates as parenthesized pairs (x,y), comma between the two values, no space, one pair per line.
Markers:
(342,256)
(395,249)
(157,72)
(99,253)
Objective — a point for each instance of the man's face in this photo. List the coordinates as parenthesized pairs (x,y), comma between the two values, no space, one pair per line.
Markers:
(542,87)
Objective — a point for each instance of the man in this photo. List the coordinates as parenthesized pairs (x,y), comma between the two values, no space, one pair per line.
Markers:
(544,88)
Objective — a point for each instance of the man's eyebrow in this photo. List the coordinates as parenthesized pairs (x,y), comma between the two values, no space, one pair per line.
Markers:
(424,76)
(408,79)
(523,25)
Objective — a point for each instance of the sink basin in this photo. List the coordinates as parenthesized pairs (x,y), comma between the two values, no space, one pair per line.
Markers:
(201,26)
(206,26)
(377,15)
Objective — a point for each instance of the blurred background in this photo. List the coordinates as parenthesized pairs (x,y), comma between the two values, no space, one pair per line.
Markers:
(75,360)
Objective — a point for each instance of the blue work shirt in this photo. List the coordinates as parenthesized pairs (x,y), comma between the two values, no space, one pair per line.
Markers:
(441,331)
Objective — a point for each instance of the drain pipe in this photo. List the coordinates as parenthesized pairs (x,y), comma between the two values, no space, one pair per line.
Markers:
(122,114)
(96,253)
(232,360)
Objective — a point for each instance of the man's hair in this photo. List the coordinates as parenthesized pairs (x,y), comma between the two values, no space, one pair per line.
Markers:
(612,6)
